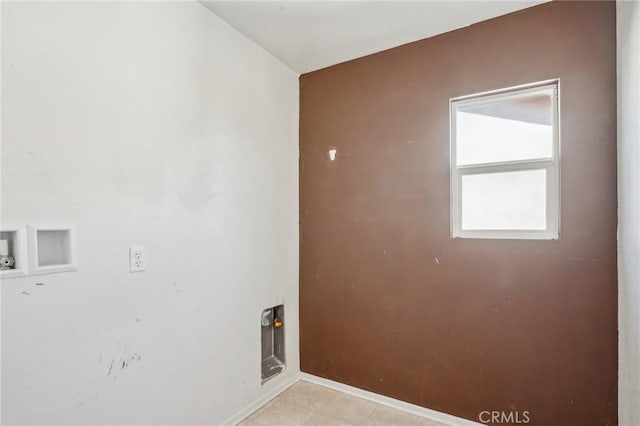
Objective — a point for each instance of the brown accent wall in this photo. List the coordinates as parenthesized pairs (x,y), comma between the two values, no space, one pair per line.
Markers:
(388,301)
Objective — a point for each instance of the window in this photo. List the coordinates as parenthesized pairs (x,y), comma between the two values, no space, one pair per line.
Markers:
(505,164)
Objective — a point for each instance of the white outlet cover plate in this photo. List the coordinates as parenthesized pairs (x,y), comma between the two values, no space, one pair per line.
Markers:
(136,259)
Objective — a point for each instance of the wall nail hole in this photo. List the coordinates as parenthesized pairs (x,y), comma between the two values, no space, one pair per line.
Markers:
(332,154)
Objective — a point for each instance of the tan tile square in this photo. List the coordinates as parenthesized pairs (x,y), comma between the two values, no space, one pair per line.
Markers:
(308,395)
(281,413)
(386,416)
(308,404)
(320,419)
(350,409)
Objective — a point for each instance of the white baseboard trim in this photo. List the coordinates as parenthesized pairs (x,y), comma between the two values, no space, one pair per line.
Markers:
(249,409)
(416,410)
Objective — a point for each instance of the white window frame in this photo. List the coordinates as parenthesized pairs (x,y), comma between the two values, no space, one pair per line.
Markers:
(551,165)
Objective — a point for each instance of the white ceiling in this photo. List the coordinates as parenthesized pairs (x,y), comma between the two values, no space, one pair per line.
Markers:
(309,35)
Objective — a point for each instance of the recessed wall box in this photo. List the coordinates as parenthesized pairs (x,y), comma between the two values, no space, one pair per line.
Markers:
(13,240)
(272,331)
(53,248)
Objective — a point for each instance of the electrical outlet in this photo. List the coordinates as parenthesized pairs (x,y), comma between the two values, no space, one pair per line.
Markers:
(136,259)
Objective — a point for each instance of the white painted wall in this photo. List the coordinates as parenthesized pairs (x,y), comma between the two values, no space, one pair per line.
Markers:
(628,15)
(151,123)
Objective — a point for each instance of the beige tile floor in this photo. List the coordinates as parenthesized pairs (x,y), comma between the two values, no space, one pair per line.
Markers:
(308,404)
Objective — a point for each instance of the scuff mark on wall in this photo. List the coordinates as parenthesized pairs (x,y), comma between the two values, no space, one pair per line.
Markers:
(121,362)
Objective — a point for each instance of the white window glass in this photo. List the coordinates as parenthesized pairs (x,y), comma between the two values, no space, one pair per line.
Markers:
(508,200)
(505,131)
